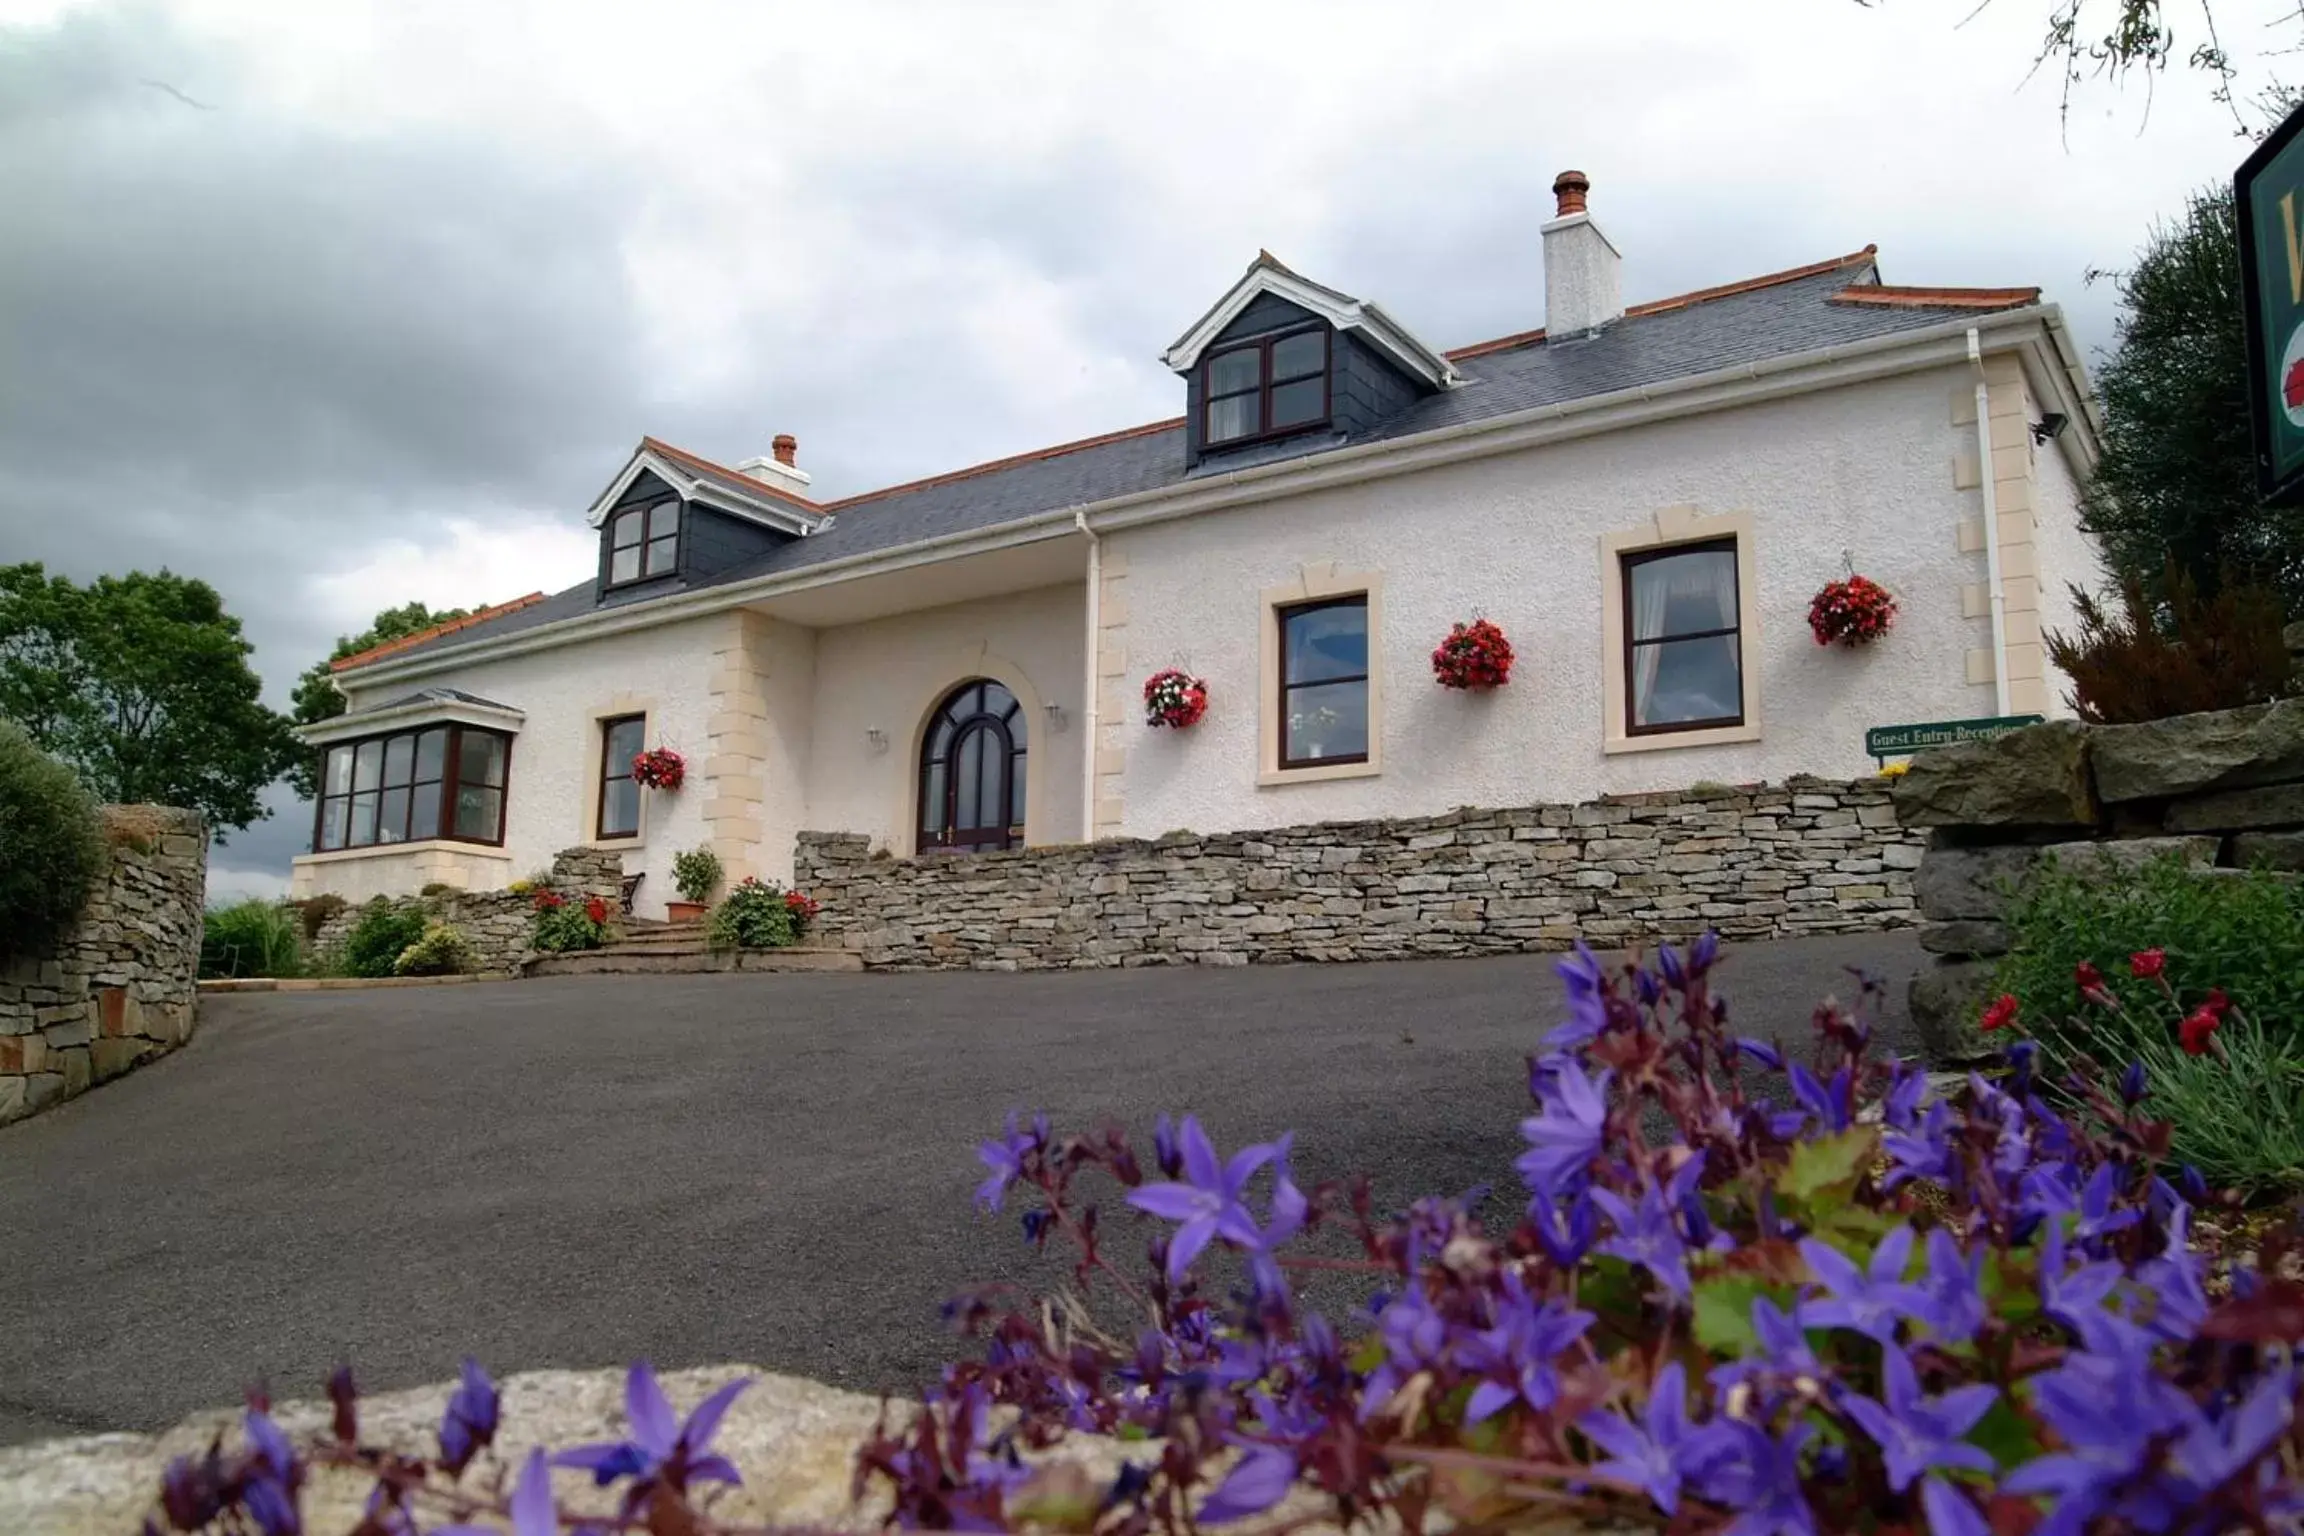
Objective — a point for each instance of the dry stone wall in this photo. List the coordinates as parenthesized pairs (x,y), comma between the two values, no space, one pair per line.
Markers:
(2220,790)
(1809,856)
(118,988)
(498,922)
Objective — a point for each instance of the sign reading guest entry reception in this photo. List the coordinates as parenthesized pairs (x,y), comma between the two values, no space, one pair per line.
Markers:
(1897,740)
(2269,191)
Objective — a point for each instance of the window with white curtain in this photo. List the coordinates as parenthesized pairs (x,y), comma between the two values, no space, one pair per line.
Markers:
(1683,654)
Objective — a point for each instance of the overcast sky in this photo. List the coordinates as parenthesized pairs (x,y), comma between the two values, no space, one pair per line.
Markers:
(338,305)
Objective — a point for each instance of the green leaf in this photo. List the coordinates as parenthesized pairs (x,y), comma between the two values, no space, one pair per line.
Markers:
(1724,1313)
(2003,1432)
(1829,1167)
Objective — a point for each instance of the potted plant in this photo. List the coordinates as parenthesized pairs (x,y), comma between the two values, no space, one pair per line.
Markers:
(696,874)
(1473,656)
(660,768)
(1174,698)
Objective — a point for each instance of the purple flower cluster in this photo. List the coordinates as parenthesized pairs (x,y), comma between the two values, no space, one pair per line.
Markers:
(1837,1305)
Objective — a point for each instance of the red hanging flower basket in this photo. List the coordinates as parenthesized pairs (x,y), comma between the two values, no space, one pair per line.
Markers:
(660,768)
(1852,612)
(1475,655)
(1175,699)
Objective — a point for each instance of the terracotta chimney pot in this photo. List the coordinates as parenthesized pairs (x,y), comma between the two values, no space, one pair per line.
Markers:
(1570,187)
(786,447)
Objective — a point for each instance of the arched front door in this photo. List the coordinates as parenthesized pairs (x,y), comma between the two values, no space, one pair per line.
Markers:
(972,771)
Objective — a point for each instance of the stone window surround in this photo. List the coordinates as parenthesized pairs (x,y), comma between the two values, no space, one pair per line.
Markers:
(595,745)
(1324,579)
(960,664)
(1668,527)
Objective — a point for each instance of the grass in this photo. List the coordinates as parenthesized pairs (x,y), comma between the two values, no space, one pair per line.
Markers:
(252,938)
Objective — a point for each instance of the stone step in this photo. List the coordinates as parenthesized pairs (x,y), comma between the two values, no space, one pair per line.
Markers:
(621,961)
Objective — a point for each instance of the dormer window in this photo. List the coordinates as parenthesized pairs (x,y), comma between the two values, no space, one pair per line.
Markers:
(644,542)
(1266,387)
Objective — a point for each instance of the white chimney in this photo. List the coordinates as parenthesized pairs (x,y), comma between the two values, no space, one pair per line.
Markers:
(1583,283)
(780,471)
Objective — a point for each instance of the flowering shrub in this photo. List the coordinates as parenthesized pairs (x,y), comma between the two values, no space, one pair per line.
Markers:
(803,908)
(1475,655)
(1173,698)
(562,925)
(660,768)
(1852,612)
(696,873)
(443,950)
(755,915)
(1969,1315)
(2114,967)
(379,937)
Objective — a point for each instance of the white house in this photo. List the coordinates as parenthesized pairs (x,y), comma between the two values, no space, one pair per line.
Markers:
(1645,498)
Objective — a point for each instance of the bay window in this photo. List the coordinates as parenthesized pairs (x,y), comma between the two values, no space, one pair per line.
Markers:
(409,786)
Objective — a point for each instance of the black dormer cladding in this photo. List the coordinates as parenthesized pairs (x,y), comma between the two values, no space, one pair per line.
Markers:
(711,542)
(1364,389)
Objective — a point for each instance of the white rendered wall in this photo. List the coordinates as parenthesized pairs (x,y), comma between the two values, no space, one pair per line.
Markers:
(1866,470)
(888,674)
(2068,557)
(565,692)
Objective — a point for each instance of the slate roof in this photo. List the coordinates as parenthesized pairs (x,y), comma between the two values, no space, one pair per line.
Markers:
(429,696)
(1779,315)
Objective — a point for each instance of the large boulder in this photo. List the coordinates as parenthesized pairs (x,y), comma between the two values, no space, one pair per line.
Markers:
(2035,777)
(2186,754)
(2273,850)
(1947,1002)
(1957,884)
(2237,810)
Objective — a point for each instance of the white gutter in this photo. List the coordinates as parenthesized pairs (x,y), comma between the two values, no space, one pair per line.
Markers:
(1741,384)
(1998,593)
(1088,698)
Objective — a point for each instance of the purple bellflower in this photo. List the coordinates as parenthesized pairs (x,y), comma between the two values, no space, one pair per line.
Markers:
(1828,1102)
(660,1448)
(469,1424)
(1755,1473)
(2111,1411)
(1646,1236)
(1949,1512)
(1207,1203)
(1566,1136)
(532,1510)
(1515,1357)
(1868,1301)
(1647,1455)
(1564,1227)
(1762,1052)
(1923,1150)
(1784,1350)
(2048,1193)
(1587,1000)
(1258,1481)
(1005,1159)
(1918,1434)
(1415,1339)
(1951,1290)
(270,1497)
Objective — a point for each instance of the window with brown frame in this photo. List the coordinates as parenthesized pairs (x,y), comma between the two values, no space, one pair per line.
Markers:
(1266,387)
(621,740)
(1683,651)
(1324,682)
(644,542)
(436,781)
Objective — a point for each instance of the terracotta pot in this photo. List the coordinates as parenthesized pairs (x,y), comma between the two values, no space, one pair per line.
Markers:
(683,911)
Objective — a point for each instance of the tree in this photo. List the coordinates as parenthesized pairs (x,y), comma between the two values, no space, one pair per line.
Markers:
(141,683)
(316,698)
(2177,478)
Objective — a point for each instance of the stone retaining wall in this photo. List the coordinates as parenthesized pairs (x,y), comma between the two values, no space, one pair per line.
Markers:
(118,989)
(1811,856)
(2223,789)
(498,922)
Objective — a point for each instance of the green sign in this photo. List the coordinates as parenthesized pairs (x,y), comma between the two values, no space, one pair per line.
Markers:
(1897,740)
(2269,192)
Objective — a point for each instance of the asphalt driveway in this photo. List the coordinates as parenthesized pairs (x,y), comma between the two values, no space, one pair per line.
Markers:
(588,1170)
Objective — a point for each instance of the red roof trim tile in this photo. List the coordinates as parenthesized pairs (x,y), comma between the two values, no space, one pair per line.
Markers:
(1681,301)
(445,627)
(1937,298)
(658,445)
(973,470)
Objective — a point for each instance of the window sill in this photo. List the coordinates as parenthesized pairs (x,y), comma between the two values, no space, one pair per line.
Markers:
(1271,777)
(1718,735)
(421,845)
